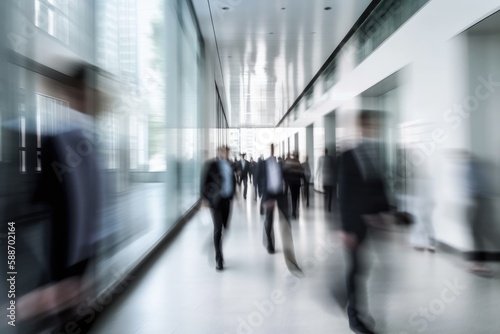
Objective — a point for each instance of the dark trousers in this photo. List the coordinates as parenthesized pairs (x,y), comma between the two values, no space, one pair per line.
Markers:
(286,230)
(328,196)
(282,204)
(255,186)
(358,267)
(220,217)
(305,192)
(481,234)
(355,281)
(244,180)
(295,192)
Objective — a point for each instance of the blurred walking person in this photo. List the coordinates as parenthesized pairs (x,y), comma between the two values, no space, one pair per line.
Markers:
(69,185)
(307,179)
(244,172)
(235,164)
(421,206)
(271,185)
(326,168)
(477,193)
(255,172)
(362,196)
(294,174)
(217,189)
(250,172)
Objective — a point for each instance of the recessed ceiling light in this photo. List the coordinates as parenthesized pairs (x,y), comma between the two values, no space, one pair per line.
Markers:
(225,8)
(328,8)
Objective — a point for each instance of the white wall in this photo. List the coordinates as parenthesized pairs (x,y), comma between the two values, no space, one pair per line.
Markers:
(208,129)
(436,23)
(430,88)
(302,144)
(319,150)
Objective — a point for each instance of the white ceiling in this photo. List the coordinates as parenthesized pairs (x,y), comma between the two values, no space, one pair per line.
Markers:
(268,55)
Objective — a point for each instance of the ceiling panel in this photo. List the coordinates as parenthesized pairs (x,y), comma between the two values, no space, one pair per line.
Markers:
(270,50)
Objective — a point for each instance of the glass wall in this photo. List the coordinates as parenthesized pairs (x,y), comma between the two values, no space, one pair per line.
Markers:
(153,123)
(143,98)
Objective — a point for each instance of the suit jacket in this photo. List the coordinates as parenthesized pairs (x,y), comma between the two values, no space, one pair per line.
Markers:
(293,172)
(211,182)
(262,179)
(358,196)
(70,185)
(244,171)
(307,172)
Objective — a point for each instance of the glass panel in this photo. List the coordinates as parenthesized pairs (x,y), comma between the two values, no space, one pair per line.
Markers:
(22,132)
(387,17)
(22,159)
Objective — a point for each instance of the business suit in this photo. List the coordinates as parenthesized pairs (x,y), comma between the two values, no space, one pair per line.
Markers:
(69,185)
(251,170)
(307,180)
(361,192)
(255,175)
(218,189)
(326,165)
(244,171)
(294,174)
(271,186)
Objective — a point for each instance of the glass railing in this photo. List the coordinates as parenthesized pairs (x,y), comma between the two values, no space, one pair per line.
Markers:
(386,18)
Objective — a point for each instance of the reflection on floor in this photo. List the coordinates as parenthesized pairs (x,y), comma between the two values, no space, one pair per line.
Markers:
(409,292)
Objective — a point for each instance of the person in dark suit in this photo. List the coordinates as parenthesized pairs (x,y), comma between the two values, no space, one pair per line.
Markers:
(294,174)
(255,172)
(283,162)
(252,165)
(326,166)
(362,195)
(271,185)
(307,180)
(69,187)
(244,171)
(235,164)
(217,189)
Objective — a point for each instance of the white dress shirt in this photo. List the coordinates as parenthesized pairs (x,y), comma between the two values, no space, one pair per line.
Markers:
(274,176)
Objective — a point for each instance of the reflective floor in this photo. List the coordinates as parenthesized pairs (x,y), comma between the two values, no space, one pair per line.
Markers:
(409,291)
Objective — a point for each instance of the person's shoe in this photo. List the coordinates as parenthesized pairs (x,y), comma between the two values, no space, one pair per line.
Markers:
(297,272)
(219,266)
(270,250)
(358,327)
(480,269)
